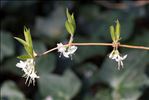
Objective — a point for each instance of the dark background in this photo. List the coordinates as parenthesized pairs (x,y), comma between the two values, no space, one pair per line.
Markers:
(91,75)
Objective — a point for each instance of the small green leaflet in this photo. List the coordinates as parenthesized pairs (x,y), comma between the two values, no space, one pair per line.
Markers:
(29,50)
(115,33)
(112,33)
(69,27)
(24,57)
(27,44)
(68,16)
(28,36)
(70,23)
(21,41)
(73,22)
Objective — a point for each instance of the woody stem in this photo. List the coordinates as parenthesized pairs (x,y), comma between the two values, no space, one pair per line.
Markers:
(96,44)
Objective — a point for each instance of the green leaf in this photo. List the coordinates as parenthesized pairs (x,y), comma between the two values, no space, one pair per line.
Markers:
(69,27)
(29,50)
(73,22)
(28,36)
(10,91)
(26,45)
(24,57)
(21,41)
(68,16)
(117,31)
(59,87)
(112,33)
(70,23)
(72,87)
(7,45)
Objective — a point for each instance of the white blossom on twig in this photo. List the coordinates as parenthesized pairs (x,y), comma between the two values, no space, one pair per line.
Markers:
(28,67)
(115,55)
(67,51)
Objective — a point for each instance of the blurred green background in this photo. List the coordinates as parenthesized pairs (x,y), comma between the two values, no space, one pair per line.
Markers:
(90,75)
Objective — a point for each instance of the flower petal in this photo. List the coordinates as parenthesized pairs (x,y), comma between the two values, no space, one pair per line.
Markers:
(66,54)
(72,49)
(124,57)
(122,64)
(21,64)
(61,47)
(111,54)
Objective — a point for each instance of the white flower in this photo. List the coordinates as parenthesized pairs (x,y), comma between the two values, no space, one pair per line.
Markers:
(61,47)
(119,60)
(21,64)
(28,67)
(116,56)
(67,51)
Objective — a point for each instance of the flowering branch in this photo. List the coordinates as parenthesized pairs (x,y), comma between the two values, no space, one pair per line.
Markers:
(67,50)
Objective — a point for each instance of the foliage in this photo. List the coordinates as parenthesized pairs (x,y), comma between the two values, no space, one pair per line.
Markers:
(70,23)
(10,91)
(90,75)
(28,46)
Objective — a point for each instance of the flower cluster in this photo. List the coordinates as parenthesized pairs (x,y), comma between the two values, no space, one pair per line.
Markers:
(28,67)
(67,51)
(115,55)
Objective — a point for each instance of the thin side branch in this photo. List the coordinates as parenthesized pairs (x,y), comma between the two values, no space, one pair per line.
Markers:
(134,47)
(92,44)
(97,44)
(46,52)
